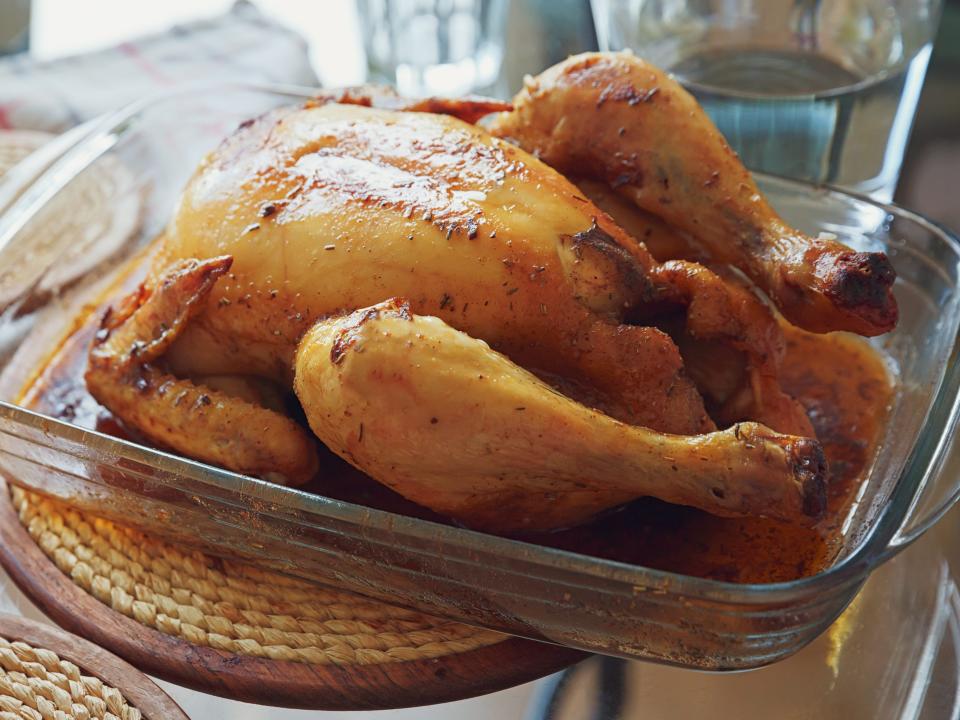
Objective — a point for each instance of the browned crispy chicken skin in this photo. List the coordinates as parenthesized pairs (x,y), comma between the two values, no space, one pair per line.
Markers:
(459,321)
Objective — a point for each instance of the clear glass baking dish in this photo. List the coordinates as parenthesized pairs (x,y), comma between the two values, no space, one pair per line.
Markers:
(521,588)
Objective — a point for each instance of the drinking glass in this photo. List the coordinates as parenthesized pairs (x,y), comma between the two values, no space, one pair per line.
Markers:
(434,47)
(821,90)
(14,26)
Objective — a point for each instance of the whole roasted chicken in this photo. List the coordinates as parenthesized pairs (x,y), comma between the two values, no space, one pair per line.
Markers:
(459,320)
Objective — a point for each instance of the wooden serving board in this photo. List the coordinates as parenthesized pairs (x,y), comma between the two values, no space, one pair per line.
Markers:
(503,664)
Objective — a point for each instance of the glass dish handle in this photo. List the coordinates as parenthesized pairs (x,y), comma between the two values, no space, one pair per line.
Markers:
(940,462)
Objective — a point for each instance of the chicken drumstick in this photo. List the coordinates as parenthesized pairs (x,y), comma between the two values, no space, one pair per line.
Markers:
(614,117)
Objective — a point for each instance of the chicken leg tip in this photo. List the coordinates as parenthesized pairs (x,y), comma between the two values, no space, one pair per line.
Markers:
(810,468)
(860,283)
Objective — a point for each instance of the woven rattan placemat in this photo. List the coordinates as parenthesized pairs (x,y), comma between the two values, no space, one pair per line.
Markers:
(229,606)
(49,674)
(35,683)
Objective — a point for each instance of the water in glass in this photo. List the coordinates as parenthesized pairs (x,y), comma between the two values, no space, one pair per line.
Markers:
(822,90)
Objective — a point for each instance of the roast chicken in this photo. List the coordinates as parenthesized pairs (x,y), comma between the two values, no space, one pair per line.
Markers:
(459,320)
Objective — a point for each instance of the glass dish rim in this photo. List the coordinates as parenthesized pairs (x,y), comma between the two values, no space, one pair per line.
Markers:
(871,550)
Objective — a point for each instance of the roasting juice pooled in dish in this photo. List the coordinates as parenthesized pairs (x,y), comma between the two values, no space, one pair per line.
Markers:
(367,286)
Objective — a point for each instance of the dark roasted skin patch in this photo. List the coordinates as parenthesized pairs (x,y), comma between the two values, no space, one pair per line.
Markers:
(627,270)
(626,93)
(809,464)
(861,279)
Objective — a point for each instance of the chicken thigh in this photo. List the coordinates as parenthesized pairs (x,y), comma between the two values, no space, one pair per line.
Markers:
(376,260)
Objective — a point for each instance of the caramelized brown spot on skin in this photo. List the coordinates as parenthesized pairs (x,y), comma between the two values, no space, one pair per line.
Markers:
(349,333)
(606,267)
(810,466)
(627,93)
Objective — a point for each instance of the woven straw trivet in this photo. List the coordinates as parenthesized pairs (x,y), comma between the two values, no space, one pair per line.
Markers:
(230,606)
(35,684)
(84,224)
(45,674)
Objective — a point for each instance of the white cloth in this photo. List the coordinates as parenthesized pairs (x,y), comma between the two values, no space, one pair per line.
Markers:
(239,45)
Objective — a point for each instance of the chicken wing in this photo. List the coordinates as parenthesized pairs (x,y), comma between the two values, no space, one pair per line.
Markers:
(199,422)
(615,118)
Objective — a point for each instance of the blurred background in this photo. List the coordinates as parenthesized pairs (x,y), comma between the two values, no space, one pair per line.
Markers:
(349,42)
